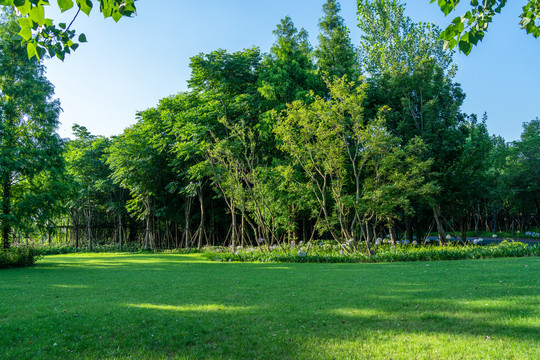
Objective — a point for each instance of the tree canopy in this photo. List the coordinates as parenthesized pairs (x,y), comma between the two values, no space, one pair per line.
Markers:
(30,149)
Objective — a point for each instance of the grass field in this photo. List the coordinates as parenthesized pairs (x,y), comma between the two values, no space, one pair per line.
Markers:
(181,306)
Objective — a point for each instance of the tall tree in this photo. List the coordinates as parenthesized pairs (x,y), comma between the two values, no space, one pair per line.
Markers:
(335,54)
(391,40)
(141,161)
(522,173)
(412,74)
(94,191)
(28,120)
(288,71)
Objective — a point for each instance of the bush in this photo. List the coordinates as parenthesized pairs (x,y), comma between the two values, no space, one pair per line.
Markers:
(18,257)
(324,253)
(44,249)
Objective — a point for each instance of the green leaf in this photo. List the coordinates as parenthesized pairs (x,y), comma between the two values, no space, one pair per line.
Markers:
(85,6)
(24,7)
(62,25)
(65,5)
(24,22)
(18,3)
(25,33)
(37,14)
(51,50)
(41,51)
(130,7)
(82,38)
(31,50)
(465,47)
(116,15)
(107,12)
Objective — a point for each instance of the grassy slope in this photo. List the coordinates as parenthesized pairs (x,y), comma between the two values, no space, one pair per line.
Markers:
(180,306)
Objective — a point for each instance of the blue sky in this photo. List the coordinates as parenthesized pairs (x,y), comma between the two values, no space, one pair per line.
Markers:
(128,66)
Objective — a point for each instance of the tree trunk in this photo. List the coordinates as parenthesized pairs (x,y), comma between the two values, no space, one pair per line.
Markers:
(6,212)
(120,231)
(438,221)
(147,231)
(89,229)
(233,228)
(392,233)
(408,228)
(76,236)
(201,223)
(464,232)
(187,212)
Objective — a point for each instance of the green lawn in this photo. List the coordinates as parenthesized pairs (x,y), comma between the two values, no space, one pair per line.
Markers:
(181,306)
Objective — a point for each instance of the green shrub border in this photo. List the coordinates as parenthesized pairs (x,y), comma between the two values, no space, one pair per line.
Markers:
(405,253)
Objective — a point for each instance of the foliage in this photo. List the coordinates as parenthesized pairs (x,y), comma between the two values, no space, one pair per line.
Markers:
(40,35)
(470,28)
(335,54)
(31,150)
(391,41)
(288,73)
(268,148)
(521,171)
(18,257)
(330,252)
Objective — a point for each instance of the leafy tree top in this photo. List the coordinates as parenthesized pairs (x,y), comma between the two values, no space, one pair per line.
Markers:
(335,54)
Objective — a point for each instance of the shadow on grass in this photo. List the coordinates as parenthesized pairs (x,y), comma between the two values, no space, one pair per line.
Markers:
(180,306)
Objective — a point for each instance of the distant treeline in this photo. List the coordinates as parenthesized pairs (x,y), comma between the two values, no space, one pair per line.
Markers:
(342,142)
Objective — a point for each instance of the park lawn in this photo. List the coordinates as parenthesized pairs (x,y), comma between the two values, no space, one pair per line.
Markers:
(120,306)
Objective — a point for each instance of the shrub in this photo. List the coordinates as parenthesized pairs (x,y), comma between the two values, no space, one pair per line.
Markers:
(44,249)
(18,257)
(325,253)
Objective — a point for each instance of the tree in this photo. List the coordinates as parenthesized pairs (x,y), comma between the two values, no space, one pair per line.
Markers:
(28,120)
(468,181)
(288,71)
(359,173)
(391,41)
(522,174)
(335,54)
(93,191)
(141,161)
(470,28)
(40,35)
(412,74)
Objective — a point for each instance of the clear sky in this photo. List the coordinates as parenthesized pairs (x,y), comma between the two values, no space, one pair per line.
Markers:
(128,66)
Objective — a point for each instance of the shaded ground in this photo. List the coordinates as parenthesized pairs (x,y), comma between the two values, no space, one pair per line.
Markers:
(180,306)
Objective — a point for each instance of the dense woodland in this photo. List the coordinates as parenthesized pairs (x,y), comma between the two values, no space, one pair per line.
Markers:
(339,141)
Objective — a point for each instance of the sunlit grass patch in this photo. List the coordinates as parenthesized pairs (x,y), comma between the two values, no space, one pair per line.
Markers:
(202,308)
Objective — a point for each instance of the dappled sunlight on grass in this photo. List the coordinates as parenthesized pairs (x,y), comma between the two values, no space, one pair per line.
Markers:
(64,286)
(157,306)
(192,307)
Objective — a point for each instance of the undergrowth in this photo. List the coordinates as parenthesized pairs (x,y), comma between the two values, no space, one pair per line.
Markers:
(325,253)
(18,257)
